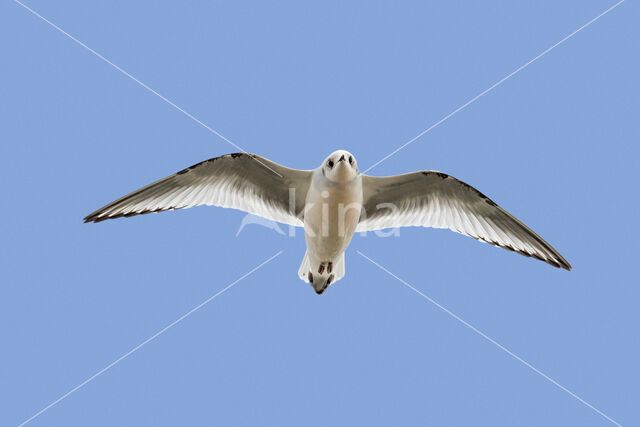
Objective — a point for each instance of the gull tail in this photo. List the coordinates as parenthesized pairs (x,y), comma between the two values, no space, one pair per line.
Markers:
(321,276)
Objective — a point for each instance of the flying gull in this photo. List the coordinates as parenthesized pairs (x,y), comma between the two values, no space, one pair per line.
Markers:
(332,202)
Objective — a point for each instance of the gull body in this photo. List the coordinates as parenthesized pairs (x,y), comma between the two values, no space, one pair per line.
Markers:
(332,202)
(333,207)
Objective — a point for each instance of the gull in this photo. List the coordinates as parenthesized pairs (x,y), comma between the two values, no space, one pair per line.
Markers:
(332,202)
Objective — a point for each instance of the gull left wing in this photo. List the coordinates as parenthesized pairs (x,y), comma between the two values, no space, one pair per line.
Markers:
(435,199)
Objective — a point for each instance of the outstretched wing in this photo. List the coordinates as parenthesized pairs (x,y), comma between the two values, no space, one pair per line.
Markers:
(435,199)
(240,181)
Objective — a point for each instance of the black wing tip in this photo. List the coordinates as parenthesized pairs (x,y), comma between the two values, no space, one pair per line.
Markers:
(92,218)
(95,217)
(559,262)
(98,217)
(565,265)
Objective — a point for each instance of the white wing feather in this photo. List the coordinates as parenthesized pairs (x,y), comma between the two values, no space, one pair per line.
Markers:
(434,199)
(240,181)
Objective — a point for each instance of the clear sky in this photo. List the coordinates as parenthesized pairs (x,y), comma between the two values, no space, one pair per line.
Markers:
(556,145)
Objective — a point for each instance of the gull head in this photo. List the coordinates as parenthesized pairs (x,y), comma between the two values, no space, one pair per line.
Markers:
(340,166)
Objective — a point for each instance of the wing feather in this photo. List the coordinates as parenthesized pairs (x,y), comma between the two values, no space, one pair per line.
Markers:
(240,181)
(435,199)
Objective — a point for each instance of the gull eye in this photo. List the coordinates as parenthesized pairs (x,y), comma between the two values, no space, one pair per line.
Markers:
(330,163)
(350,160)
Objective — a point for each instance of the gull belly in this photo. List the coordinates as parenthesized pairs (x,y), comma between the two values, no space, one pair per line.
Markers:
(331,215)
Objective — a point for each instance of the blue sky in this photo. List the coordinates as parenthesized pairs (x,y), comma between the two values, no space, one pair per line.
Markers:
(556,145)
